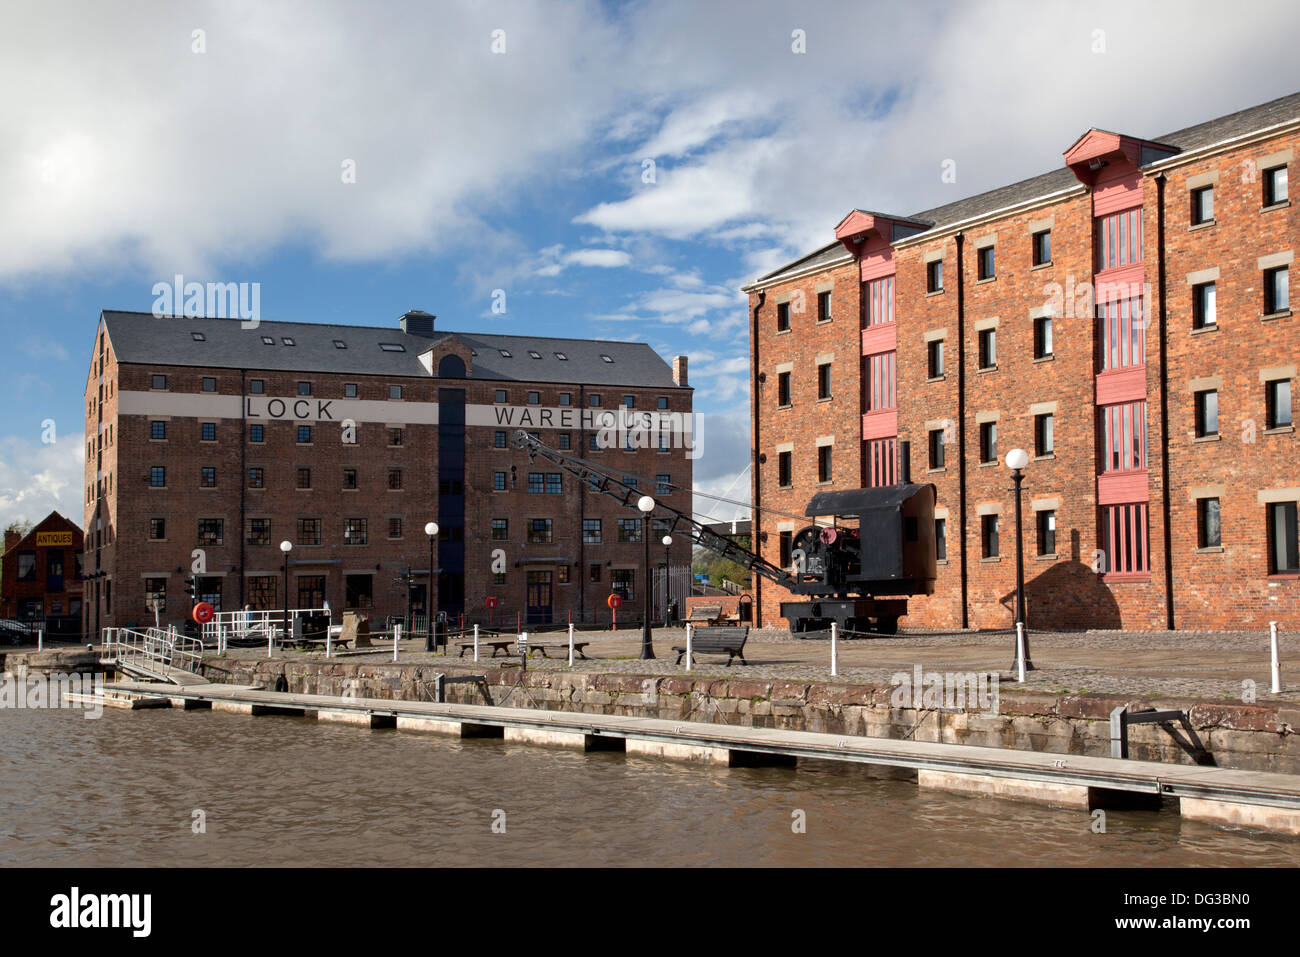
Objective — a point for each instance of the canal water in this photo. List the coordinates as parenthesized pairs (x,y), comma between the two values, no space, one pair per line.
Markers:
(124,789)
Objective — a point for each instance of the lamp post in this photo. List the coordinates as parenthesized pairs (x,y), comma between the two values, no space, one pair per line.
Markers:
(1017,460)
(647,505)
(431,529)
(667,540)
(286,547)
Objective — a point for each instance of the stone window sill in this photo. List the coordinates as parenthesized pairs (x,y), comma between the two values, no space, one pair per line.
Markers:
(1045,457)
(1272,206)
(987,465)
(936,378)
(783,332)
(1268,317)
(1208,438)
(825,322)
(980,282)
(1042,265)
(780,407)
(1047,358)
(1121,578)
(825,398)
(995,558)
(934,292)
(1045,558)
(1210,550)
(1205,225)
(984,369)
(938,471)
(1280,430)
(1207,328)
(941,561)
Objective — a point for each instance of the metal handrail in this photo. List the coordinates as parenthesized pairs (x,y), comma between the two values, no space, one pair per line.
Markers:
(152,647)
(242,624)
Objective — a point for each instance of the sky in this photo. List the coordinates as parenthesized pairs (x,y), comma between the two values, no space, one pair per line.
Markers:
(616,170)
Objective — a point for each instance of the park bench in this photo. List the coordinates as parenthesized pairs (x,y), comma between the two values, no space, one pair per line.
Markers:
(563,649)
(336,639)
(705,615)
(501,646)
(729,641)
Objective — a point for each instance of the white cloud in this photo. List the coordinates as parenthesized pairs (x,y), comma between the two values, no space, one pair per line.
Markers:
(37,479)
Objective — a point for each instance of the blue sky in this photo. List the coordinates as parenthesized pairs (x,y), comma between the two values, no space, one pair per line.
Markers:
(133,148)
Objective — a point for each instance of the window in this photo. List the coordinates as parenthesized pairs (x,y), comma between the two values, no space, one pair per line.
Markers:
(262,590)
(1275,186)
(157,529)
(308,531)
(988,441)
(1046,532)
(211,531)
(539,531)
(629,402)
(784,472)
(554,483)
(936,449)
(824,462)
(349,390)
(785,549)
(26,566)
(824,306)
(824,380)
(566,398)
(1124,436)
(268,341)
(536,483)
(208,432)
(561,571)
(591,531)
(985,263)
(1119,239)
(157,430)
(561,356)
(207,477)
(499,440)
(593,400)
(394,436)
(941,539)
(349,478)
(623,583)
(394,391)
(879,385)
(988,348)
(392,347)
(394,527)
(256,387)
(209,384)
(1203,311)
(1277,297)
(158,476)
(1208,529)
(1282,539)
(1203,205)
(501,396)
(304,434)
(1044,434)
(934,276)
(505,353)
(340,344)
(989,536)
(593,573)
(358,591)
(1120,339)
(1043,337)
(629,529)
(630,481)
(1277,402)
(259,531)
(782,389)
(498,481)
(783,317)
(534,398)
(287,340)
(934,358)
(534,354)
(158,382)
(155,594)
(395,479)
(255,433)
(605,358)
(304,388)
(1042,247)
(1207,413)
(663,484)
(256,478)
(354,531)
(1124,538)
(880,301)
(566,440)
(304,478)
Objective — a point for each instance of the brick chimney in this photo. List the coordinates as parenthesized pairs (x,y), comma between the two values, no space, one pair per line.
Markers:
(417,322)
(679,370)
(12,538)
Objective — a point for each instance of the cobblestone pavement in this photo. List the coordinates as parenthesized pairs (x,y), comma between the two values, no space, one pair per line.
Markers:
(1164,664)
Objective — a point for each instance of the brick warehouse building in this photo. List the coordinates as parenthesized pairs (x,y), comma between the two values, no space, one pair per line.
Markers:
(42,577)
(1125,319)
(211,442)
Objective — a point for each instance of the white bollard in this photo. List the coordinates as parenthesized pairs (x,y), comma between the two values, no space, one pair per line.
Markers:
(329,640)
(1020,650)
(835,650)
(475,642)
(40,639)
(689,635)
(1277,664)
(570,644)
(270,640)
(397,636)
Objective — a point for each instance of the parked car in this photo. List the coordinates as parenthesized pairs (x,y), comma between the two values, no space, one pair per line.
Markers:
(16,632)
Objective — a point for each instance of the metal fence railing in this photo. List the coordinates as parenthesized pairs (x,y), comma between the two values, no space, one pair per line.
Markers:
(152,650)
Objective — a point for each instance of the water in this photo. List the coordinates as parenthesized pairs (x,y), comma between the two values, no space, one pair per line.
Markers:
(289,791)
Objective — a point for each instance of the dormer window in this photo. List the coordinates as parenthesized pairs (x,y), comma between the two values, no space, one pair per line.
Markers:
(198,337)
(267,341)
(605,358)
(340,344)
(535,355)
(287,340)
(392,347)
(561,356)
(505,353)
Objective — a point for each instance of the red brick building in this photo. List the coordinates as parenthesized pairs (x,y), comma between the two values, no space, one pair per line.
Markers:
(42,582)
(211,441)
(1125,319)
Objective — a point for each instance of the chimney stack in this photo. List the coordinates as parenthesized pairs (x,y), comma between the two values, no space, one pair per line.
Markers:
(417,322)
(12,538)
(679,370)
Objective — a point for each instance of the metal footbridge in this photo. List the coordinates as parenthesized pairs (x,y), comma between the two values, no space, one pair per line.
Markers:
(157,654)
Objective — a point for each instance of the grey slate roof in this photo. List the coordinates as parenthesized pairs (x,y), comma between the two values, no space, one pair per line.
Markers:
(140,337)
(1281,110)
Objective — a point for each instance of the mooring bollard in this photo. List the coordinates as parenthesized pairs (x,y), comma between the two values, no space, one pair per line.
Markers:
(40,639)
(688,645)
(1277,664)
(462,651)
(397,635)
(570,644)
(270,639)
(835,656)
(329,640)
(1020,650)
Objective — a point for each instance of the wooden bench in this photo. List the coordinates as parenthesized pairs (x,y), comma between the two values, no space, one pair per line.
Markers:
(705,614)
(501,646)
(717,641)
(563,649)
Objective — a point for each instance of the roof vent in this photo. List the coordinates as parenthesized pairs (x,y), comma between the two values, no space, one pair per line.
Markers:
(417,322)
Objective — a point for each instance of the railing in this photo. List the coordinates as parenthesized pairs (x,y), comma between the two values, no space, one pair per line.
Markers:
(152,649)
(251,625)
